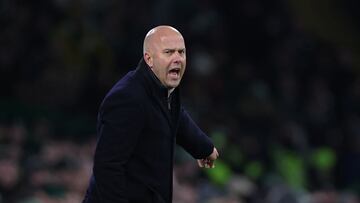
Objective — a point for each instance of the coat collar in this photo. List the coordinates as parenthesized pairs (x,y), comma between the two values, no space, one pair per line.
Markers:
(152,83)
(160,93)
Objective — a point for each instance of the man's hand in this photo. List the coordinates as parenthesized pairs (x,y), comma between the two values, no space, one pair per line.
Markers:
(208,162)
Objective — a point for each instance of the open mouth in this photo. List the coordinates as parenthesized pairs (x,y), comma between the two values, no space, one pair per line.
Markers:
(174,71)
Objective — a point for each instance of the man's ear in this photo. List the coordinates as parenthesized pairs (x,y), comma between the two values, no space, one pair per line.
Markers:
(148,59)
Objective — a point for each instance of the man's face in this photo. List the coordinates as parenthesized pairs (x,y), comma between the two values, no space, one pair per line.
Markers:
(168,59)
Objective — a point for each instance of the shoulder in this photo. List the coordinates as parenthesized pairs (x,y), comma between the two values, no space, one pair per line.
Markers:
(127,90)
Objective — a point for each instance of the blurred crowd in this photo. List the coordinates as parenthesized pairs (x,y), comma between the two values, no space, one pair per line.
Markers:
(281,103)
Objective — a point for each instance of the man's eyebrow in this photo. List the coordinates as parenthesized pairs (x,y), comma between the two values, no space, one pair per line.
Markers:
(174,49)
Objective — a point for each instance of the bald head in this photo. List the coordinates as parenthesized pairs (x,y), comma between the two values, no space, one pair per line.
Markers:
(154,36)
(164,52)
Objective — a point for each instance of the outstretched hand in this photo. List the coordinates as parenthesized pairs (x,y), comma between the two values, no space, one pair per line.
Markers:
(208,162)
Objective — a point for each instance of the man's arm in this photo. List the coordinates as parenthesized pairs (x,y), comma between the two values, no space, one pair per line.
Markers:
(195,141)
(119,129)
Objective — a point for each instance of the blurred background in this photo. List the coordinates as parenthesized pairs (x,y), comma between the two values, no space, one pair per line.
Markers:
(274,83)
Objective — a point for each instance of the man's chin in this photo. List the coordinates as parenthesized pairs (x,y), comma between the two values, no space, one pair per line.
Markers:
(172,85)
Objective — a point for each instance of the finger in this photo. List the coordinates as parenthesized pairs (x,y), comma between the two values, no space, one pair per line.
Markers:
(216,153)
(211,163)
(200,163)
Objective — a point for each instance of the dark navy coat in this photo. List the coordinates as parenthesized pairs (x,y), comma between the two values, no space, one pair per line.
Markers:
(137,132)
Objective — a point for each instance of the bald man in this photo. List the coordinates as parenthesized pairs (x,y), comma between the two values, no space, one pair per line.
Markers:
(139,122)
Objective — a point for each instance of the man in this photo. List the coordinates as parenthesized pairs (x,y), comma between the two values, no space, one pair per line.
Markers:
(139,121)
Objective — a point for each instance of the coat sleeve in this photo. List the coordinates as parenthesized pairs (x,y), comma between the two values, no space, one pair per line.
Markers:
(192,138)
(120,123)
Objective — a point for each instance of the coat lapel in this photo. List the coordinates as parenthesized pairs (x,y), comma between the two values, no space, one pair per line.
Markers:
(156,89)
